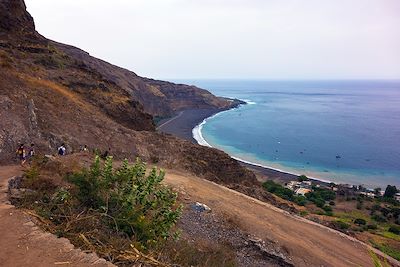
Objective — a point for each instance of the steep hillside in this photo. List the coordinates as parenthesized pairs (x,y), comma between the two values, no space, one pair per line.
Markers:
(83,73)
(52,93)
(158,98)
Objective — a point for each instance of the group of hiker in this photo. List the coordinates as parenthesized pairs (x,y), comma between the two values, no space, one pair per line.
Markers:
(27,153)
(24,153)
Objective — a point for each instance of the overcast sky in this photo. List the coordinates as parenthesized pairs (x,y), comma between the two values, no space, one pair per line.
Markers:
(239,39)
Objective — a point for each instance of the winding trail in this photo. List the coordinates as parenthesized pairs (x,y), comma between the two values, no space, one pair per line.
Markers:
(170,120)
(23,244)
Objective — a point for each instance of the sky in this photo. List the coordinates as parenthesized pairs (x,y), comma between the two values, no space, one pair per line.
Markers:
(232,39)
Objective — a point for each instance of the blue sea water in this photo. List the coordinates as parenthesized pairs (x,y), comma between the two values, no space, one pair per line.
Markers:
(341,131)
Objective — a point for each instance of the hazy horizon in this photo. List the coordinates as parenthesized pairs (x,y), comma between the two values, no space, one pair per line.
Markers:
(232,40)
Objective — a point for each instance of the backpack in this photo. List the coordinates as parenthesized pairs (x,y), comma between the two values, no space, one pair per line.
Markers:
(20,151)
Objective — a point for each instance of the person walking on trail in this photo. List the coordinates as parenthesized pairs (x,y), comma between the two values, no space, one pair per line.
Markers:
(62,150)
(31,151)
(21,154)
(85,148)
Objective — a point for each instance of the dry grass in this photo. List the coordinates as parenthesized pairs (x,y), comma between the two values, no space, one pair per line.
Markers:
(6,61)
(201,254)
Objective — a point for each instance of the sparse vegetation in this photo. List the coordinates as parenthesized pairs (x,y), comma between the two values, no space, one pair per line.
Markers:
(5,60)
(119,213)
(350,211)
(51,61)
(387,249)
(377,261)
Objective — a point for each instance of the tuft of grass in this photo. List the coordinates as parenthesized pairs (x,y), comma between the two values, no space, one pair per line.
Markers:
(6,61)
(341,225)
(204,254)
(303,213)
(51,61)
(352,215)
(377,261)
(387,249)
(390,235)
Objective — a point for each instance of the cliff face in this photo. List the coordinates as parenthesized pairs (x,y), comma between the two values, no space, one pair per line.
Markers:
(52,93)
(14,18)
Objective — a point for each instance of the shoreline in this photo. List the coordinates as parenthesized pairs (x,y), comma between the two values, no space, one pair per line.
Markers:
(184,123)
(187,125)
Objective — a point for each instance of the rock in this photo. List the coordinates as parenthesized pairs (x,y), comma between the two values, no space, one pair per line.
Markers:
(33,117)
(200,207)
(18,192)
(14,17)
(30,223)
(15,182)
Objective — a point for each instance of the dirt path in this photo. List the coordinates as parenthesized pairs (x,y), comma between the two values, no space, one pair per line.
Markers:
(308,243)
(23,244)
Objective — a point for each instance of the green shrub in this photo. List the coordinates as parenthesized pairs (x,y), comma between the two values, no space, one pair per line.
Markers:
(372,226)
(139,205)
(394,230)
(327,208)
(302,178)
(360,221)
(303,213)
(300,200)
(284,193)
(378,218)
(341,225)
(318,201)
(32,173)
(319,196)
(278,190)
(390,191)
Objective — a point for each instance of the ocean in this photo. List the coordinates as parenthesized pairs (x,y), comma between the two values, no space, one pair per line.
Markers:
(340,131)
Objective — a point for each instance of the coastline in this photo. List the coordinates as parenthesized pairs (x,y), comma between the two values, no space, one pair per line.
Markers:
(183,126)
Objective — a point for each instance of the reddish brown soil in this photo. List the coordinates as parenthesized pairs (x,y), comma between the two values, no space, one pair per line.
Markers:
(308,243)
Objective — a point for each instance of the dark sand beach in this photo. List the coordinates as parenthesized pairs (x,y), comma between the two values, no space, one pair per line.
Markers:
(183,123)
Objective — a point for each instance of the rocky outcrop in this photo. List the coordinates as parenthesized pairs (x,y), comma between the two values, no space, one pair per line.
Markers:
(14,17)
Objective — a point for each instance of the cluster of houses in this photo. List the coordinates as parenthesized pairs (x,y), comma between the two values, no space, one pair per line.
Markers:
(303,187)
(300,188)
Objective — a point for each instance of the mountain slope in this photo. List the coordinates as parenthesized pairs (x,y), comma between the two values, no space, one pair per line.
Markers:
(52,93)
